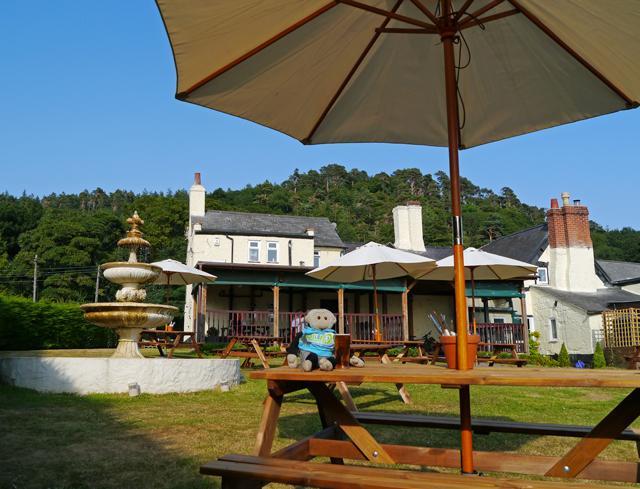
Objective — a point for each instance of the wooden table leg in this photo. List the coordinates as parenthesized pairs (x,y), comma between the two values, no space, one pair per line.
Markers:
(196,346)
(268,424)
(260,353)
(228,348)
(346,396)
(587,449)
(402,390)
(333,412)
(173,346)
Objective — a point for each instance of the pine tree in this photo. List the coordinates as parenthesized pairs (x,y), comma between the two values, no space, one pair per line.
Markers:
(598,357)
(563,357)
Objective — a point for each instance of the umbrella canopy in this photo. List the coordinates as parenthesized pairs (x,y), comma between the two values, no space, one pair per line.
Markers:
(177,273)
(325,71)
(483,266)
(363,262)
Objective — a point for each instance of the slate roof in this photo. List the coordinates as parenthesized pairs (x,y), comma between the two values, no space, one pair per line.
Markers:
(526,245)
(435,252)
(593,302)
(254,224)
(618,272)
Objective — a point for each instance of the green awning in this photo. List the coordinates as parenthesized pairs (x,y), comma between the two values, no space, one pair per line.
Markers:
(494,289)
(297,280)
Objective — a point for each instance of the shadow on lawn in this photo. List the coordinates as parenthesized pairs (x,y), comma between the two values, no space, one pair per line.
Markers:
(63,441)
(299,425)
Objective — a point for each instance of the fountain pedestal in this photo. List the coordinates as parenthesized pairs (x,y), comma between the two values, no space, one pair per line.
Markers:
(130,315)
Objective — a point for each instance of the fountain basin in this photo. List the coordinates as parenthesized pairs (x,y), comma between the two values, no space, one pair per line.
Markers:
(118,315)
(130,274)
(128,319)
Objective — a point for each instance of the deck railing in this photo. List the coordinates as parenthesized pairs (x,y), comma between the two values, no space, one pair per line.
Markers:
(501,333)
(220,323)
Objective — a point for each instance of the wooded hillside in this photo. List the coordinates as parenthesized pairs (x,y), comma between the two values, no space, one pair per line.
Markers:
(72,233)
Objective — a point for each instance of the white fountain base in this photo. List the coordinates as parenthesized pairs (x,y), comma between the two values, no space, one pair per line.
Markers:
(127,346)
(113,375)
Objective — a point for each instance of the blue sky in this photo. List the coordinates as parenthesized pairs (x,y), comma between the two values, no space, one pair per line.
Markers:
(86,98)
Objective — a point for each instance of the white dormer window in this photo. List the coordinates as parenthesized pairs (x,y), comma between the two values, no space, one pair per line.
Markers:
(272,252)
(316,259)
(254,251)
(543,276)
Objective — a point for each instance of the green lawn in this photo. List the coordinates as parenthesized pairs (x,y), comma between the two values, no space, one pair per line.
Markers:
(114,441)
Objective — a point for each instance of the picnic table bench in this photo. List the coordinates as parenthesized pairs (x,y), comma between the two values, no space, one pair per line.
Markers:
(252,472)
(344,436)
(169,340)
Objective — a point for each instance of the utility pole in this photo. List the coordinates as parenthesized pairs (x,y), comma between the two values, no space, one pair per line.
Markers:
(35,278)
(97,284)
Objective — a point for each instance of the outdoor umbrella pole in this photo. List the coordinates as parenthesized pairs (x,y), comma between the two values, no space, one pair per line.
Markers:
(448,35)
(375,304)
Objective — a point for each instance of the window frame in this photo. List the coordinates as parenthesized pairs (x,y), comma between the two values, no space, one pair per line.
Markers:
(553,329)
(277,250)
(546,276)
(251,248)
(316,259)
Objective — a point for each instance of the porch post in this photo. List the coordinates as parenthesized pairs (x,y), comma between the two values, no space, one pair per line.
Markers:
(525,322)
(405,314)
(202,319)
(341,310)
(195,309)
(276,309)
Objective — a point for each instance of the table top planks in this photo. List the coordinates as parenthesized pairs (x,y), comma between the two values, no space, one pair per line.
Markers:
(430,374)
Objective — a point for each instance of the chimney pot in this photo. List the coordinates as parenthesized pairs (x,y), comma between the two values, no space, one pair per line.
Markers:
(554,203)
(565,198)
(197,180)
(576,202)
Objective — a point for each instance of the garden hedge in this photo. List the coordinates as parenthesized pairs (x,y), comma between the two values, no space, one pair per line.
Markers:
(27,325)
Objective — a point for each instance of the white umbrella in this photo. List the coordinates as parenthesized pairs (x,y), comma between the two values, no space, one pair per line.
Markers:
(177,273)
(481,265)
(374,261)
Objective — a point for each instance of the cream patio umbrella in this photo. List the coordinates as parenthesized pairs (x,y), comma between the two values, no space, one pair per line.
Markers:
(177,273)
(481,265)
(374,261)
(454,73)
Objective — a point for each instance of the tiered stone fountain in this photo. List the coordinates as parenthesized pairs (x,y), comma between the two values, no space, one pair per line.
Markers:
(130,315)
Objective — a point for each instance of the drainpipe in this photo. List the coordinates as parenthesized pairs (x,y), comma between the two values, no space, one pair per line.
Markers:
(290,252)
(232,245)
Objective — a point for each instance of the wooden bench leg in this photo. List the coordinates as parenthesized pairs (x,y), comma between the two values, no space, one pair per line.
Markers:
(228,348)
(607,430)
(346,396)
(260,353)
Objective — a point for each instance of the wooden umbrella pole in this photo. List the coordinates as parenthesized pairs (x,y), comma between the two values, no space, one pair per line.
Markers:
(375,304)
(447,35)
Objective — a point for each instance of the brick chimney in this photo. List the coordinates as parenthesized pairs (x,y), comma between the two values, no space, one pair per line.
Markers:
(571,262)
(407,227)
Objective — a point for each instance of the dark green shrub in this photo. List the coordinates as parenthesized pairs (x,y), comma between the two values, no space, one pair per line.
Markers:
(598,357)
(563,357)
(25,325)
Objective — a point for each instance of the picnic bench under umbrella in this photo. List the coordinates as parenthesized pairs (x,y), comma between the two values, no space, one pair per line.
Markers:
(454,73)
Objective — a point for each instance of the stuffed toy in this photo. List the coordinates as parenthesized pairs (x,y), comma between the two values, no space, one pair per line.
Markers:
(313,347)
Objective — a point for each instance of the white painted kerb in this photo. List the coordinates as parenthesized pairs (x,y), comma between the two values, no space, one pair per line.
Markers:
(113,375)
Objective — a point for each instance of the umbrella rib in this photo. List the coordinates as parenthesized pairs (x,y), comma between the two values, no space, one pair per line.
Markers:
(257,49)
(494,272)
(481,11)
(488,18)
(352,72)
(387,13)
(421,6)
(462,10)
(544,28)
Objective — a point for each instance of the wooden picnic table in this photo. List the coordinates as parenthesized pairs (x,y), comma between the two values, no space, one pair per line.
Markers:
(169,340)
(344,437)
(254,349)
